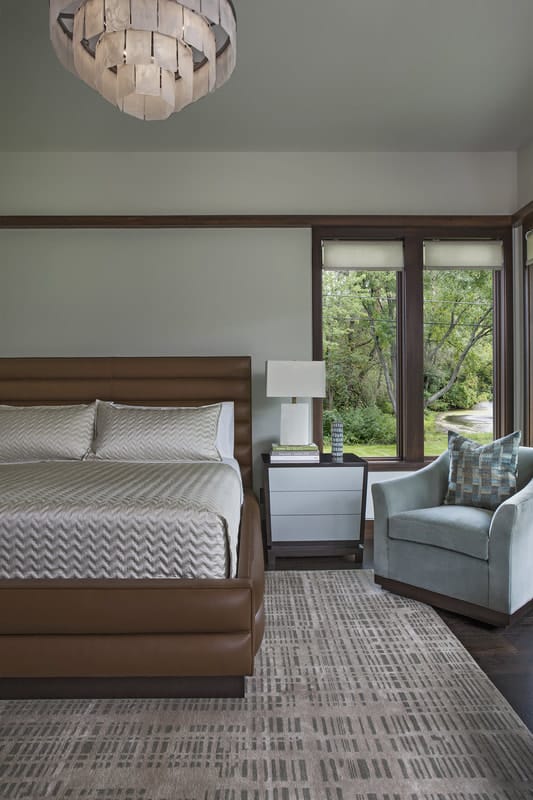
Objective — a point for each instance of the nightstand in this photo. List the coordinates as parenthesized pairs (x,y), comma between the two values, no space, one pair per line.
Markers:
(315,509)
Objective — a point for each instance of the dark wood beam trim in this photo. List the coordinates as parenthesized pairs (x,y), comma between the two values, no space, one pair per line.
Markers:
(519,216)
(405,222)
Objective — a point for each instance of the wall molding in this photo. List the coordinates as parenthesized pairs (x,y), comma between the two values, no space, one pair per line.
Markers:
(519,216)
(251,221)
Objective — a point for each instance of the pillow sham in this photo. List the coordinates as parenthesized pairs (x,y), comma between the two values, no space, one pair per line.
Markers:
(46,433)
(225,441)
(226,429)
(152,433)
(482,475)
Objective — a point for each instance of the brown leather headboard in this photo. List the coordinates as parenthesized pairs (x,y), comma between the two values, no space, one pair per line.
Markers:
(172,381)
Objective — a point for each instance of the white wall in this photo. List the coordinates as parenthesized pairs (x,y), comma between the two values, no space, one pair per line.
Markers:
(144,293)
(525,176)
(203,291)
(377,477)
(250,183)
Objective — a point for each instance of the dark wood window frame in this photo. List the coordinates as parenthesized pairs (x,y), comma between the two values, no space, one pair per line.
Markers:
(527,225)
(524,218)
(410,328)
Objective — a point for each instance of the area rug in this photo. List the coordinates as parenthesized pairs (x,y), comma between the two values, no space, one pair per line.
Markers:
(358,695)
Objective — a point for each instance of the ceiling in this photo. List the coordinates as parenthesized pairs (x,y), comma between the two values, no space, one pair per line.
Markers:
(324,75)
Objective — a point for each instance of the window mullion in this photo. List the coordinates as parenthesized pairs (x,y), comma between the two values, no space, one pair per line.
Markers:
(411,318)
(318,353)
(503,341)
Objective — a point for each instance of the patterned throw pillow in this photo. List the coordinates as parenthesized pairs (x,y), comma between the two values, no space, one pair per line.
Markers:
(482,475)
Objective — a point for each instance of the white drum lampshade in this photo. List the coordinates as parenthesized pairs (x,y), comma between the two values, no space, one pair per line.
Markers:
(295,379)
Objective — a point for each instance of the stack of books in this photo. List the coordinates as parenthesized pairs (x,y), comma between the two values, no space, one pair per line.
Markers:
(291,453)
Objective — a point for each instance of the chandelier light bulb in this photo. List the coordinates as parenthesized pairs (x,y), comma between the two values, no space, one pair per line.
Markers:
(148,57)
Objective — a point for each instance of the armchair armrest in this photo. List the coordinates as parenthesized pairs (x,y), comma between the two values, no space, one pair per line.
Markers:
(422,489)
(511,551)
(515,515)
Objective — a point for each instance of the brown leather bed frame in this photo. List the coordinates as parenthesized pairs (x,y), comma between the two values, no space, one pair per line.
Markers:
(136,638)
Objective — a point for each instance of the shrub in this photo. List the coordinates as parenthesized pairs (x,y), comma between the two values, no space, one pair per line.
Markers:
(364,425)
(463,394)
(327,419)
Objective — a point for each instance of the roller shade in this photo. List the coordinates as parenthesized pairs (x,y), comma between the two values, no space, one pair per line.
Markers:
(386,255)
(473,254)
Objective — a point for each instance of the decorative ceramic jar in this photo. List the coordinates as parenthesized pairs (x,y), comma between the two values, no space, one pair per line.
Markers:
(337,440)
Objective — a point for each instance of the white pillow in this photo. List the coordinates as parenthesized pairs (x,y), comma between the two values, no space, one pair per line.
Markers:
(46,433)
(155,433)
(226,429)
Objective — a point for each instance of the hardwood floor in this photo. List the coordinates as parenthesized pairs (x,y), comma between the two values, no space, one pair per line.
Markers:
(504,654)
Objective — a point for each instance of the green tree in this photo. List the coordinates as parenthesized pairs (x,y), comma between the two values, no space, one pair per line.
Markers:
(360,341)
(457,334)
(359,324)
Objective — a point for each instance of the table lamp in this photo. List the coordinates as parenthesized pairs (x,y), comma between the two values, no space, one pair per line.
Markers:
(295,379)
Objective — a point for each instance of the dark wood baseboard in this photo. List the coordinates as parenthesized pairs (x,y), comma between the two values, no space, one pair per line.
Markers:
(496,618)
(48,688)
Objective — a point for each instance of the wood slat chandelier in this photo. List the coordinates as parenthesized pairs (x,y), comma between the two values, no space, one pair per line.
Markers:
(148,57)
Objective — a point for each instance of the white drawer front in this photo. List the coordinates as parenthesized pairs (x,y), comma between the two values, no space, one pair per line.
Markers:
(315,503)
(294,479)
(312,529)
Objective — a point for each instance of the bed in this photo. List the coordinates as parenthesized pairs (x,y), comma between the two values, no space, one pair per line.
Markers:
(142,636)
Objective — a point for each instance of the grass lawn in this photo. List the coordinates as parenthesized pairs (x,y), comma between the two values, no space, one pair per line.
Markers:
(435,442)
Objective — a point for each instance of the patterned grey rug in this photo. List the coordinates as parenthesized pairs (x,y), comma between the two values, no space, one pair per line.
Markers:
(358,695)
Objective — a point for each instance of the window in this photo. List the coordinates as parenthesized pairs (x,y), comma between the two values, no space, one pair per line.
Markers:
(360,343)
(416,331)
(458,340)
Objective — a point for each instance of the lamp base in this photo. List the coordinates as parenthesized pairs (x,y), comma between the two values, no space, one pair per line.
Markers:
(294,428)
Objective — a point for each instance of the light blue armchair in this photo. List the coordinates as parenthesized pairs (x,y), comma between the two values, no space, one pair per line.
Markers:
(469,560)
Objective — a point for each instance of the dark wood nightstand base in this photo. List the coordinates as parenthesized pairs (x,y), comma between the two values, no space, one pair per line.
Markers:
(305,549)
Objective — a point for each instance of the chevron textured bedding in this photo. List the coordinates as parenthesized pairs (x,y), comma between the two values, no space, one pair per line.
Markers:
(118,520)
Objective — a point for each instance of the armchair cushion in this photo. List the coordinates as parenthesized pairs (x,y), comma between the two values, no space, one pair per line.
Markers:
(464,529)
(482,475)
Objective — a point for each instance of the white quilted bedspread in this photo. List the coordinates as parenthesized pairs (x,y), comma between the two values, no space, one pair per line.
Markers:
(92,519)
